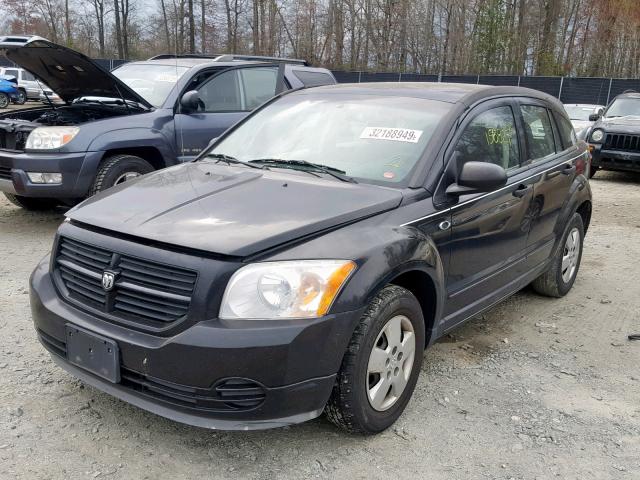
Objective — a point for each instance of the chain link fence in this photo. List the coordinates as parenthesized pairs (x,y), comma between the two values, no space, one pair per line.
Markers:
(597,91)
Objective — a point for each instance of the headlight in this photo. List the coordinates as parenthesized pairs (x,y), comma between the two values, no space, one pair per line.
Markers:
(294,289)
(597,135)
(48,138)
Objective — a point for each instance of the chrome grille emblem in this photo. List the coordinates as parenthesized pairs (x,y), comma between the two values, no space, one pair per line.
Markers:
(108,280)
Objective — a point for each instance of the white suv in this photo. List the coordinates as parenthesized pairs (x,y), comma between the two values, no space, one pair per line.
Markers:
(29,87)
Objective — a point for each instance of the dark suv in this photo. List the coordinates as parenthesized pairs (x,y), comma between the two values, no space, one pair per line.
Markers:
(142,116)
(306,259)
(615,136)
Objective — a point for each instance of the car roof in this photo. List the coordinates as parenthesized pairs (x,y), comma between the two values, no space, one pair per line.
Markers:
(585,105)
(189,62)
(466,93)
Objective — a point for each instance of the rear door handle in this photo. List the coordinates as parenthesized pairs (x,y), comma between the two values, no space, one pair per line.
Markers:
(568,170)
(522,190)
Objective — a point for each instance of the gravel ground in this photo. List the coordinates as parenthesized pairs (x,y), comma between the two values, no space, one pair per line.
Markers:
(536,388)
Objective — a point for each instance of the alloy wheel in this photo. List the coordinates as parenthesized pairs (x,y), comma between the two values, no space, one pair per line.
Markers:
(390,363)
(570,255)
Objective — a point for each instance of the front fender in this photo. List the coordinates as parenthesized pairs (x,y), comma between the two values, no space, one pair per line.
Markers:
(135,138)
(382,253)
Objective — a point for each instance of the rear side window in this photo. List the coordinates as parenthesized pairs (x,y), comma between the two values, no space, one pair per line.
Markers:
(313,79)
(221,93)
(259,85)
(567,133)
(490,137)
(12,72)
(538,130)
(26,76)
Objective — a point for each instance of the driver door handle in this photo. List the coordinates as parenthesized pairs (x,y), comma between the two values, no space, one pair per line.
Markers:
(522,190)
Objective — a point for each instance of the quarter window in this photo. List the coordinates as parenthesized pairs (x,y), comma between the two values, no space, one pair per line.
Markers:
(491,137)
(567,133)
(538,130)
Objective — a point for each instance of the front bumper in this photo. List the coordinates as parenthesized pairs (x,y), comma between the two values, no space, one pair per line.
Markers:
(628,161)
(78,171)
(293,366)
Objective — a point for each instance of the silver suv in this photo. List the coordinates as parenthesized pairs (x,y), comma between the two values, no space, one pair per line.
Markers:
(29,87)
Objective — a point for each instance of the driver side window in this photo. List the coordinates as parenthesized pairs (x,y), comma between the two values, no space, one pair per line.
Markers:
(490,137)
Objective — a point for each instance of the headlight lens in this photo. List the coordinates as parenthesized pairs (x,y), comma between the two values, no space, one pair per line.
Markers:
(295,289)
(48,138)
(597,135)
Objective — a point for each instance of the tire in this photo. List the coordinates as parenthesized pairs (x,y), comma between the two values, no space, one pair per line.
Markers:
(556,281)
(593,170)
(21,99)
(349,406)
(114,170)
(32,203)
(4,100)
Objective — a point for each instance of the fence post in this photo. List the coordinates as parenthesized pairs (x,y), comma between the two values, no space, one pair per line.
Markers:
(478,80)
(560,91)
(518,80)
(359,77)
(609,92)
(400,77)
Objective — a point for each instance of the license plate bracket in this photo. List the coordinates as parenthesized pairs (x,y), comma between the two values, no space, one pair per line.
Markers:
(96,354)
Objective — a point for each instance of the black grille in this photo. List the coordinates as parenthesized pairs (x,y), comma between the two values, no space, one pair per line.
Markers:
(145,292)
(616,141)
(5,172)
(233,394)
(13,140)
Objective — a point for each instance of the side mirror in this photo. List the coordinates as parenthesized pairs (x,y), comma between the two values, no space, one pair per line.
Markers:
(476,177)
(190,101)
(594,117)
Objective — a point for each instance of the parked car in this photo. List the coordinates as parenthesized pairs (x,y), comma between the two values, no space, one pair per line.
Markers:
(8,91)
(614,138)
(579,114)
(115,126)
(29,86)
(307,258)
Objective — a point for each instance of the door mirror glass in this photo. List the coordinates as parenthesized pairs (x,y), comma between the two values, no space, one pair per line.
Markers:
(594,117)
(190,101)
(476,177)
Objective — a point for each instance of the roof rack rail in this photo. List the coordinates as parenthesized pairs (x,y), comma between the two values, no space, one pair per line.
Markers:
(225,57)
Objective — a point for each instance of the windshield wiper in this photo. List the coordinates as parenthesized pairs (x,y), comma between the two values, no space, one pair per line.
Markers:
(306,166)
(229,160)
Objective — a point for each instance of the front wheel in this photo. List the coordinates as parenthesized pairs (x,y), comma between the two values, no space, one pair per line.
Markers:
(119,169)
(380,369)
(4,100)
(559,278)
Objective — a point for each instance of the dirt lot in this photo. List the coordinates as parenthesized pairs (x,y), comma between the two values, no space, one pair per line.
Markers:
(534,389)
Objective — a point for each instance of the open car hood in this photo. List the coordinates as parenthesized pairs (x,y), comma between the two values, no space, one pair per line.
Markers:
(68,73)
(235,211)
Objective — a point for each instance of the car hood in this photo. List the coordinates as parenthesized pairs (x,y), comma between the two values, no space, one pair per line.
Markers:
(234,211)
(69,73)
(580,124)
(627,124)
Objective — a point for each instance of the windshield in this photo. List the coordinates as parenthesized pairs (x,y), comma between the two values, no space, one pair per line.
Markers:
(368,137)
(580,113)
(622,107)
(151,82)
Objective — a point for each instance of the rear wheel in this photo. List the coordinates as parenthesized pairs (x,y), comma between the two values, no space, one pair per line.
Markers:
(32,203)
(559,278)
(4,100)
(119,169)
(21,98)
(381,366)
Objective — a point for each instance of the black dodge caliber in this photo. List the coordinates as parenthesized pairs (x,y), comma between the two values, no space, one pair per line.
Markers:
(306,259)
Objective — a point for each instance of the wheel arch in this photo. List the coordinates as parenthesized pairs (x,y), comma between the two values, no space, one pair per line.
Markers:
(147,153)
